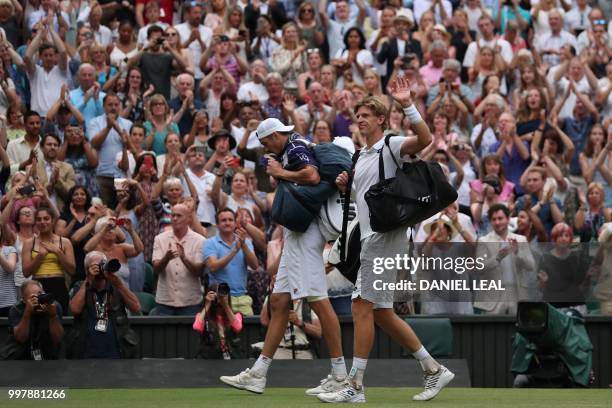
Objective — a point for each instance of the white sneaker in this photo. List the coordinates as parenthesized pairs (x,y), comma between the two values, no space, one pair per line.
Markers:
(246,380)
(433,384)
(347,393)
(329,384)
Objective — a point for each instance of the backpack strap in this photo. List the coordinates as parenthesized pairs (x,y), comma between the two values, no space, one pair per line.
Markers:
(345,207)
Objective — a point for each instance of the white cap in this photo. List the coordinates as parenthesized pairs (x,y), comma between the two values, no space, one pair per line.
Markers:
(269,126)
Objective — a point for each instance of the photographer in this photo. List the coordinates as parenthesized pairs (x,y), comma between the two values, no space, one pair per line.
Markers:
(101,328)
(215,322)
(229,255)
(35,326)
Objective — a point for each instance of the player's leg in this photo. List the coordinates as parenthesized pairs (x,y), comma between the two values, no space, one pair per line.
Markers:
(254,379)
(436,376)
(363,339)
(330,327)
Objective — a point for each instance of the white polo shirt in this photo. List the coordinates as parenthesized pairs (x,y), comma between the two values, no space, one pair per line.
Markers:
(366,175)
(46,87)
(203,185)
(206,34)
(472,50)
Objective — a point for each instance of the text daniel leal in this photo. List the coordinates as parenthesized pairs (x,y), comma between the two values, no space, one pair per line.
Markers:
(442,284)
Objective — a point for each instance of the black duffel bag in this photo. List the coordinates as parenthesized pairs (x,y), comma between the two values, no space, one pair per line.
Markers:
(418,191)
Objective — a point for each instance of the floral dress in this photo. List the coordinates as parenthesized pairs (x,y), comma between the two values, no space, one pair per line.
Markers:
(148,224)
(83,172)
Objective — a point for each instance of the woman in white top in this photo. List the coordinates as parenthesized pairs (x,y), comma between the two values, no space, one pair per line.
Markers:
(539,14)
(354,55)
(214,18)
(173,149)
(214,84)
(125,47)
(240,196)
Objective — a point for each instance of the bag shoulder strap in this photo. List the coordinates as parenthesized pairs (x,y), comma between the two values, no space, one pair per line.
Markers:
(381,164)
(346,206)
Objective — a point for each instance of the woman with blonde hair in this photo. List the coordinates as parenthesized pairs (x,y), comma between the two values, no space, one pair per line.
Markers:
(159,124)
(104,72)
(488,62)
(310,29)
(174,40)
(237,32)
(328,81)
(289,59)
(81,54)
(592,213)
(426,22)
(372,83)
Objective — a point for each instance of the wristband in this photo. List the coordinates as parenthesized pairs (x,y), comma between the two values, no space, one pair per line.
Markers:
(413,114)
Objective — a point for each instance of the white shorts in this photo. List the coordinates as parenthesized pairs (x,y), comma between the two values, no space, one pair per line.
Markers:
(386,245)
(301,271)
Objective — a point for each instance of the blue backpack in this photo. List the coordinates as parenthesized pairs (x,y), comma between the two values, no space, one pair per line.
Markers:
(332,159)
(296,206)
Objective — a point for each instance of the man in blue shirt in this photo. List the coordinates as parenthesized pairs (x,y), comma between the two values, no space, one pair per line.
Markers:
(513,151)
(511,11)
(88,97)
(227,255)
(548,208)
(107,134)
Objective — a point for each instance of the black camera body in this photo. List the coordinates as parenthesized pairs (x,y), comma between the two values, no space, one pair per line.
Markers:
(27,190)
(159,41)
(407,60)
(45,298)
(223,289)
(495,184)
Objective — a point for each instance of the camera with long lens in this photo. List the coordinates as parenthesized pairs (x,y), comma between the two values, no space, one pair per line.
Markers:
(111,266)
(45,298)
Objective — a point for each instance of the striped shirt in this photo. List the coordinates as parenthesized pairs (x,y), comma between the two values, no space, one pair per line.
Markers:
(8,295)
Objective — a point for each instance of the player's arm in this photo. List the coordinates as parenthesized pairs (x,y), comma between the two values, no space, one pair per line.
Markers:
(307,175)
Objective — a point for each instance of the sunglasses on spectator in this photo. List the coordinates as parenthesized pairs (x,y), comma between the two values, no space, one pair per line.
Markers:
(312,50)
(307,10)
(196,3)
(600,22)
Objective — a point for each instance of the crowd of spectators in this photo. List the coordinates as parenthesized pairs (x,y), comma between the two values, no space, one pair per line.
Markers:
(128,133)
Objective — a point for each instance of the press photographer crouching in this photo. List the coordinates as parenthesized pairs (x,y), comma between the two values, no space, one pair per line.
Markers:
(219,325)
(35,331)
(101,328)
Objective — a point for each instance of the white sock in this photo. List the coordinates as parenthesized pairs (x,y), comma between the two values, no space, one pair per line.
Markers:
(338,367)
(428,364)
(357,371)
(260,368)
